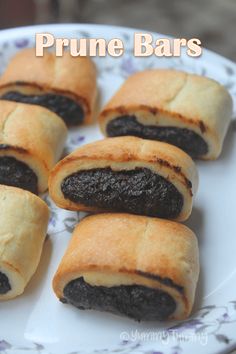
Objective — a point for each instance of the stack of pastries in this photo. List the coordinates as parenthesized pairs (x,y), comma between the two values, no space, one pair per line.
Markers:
(132,256)
(128,261)
(37,100)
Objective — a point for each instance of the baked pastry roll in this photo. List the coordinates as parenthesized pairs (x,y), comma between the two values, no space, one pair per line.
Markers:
(23,226)
(141,267)
(126,174)
(31,142)
(65,85)
(186,110)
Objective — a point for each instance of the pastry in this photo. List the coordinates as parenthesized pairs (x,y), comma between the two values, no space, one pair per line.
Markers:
(186,110)
(23,226)
(65,85)
(141,267)
(126,174)
(31,142)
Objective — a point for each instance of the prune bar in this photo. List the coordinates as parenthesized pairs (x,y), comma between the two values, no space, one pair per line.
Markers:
(189,111)
(65,85)
(23,226)
(31,142)
(140,267)
(126,174)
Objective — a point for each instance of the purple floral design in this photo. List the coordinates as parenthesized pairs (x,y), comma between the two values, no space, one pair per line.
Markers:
(21,43)
(128,66)
(4,345)
(187,325)
(209,321)
(77,140)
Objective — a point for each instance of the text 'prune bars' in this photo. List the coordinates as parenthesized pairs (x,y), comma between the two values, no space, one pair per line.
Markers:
(31,142)
(141,267)
(65,85)
(186,110)
(23,226)
(126,174)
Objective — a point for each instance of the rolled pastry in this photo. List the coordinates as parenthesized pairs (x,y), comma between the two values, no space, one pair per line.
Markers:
(31,142)
(65,85)
(137,266)
(126,174)
(23,226)
(186,110)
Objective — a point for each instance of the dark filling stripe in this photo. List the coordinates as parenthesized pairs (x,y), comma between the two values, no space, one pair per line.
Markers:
(69,110)
(135,301)
(139,191)
(165,281)
(4,284)
(18,174)
(185,139)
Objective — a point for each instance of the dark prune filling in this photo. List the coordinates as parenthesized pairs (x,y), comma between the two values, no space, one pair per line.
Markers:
(138,191)
(18,174)
(185,139)
(69,110)
(135,301)
(4,284)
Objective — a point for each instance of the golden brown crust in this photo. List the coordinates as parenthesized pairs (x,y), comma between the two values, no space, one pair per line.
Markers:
(124,153)
(174,98)
(66,75)
(33,135)
(23,226)
(119,249)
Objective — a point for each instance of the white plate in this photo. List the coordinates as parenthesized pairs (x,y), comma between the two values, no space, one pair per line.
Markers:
(37,322)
